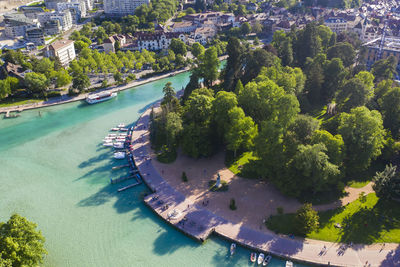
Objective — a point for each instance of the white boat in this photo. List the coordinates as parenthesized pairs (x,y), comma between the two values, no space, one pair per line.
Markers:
(108,144)
(253,257)
(267,259)
(112,135)
(260,258)
(119,155)
(114,129)
(121,125)
(100,97)
(233,248)
(289,264)
(118,145)
(122,134)
(123,129)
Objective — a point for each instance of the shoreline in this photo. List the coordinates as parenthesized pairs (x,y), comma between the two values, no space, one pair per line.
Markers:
(202,222)
(67,99)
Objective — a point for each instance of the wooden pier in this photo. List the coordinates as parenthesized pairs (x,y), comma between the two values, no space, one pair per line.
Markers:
(120,167)
(9,115)
(124,178)
(138,182)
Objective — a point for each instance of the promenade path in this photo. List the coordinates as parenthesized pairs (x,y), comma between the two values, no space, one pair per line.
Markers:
(198,222)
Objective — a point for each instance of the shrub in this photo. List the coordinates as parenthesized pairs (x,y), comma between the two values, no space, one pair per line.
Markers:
(53,94)
(279,210)
(184,177)
(307,219)
(232,204)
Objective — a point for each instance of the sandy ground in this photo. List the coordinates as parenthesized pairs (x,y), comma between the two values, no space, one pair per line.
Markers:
(255,199)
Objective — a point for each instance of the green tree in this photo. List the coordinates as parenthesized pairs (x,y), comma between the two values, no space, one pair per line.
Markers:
(387,183)
(384,69)
(344,51)
(303,128)
(254,61)
(173,128)
(223,103)
(20,242)
(118,77)
(241,131)
(63,78)
(80,82)
(245,28)
(44,66)
(363,136)
(390,104)
(197,49)
(334,145)
(307,219)
(209,66)
(235,50)
(308,43)
(36,82)
(79,45)
(315,78)
(13,83)
(5,89)
(334,76)
(178,47)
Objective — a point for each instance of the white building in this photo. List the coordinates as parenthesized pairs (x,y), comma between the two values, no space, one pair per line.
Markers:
(122,7)
(109,43)
(185,26)
(63,49)
(78,9)
(64,17)
(202,35)
(336,24)
(52,4)
(158,40)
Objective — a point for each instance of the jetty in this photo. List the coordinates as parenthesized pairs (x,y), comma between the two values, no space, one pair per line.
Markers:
(120,167)
(9,115)
(138,182)
(124,178)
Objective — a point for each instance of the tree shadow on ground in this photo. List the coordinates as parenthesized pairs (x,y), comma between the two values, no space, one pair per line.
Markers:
(392,258)
(367,225)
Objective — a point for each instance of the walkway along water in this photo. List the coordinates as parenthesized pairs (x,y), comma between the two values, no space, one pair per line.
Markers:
(199,223)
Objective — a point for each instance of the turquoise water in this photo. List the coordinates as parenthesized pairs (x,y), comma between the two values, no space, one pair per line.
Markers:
(55,172)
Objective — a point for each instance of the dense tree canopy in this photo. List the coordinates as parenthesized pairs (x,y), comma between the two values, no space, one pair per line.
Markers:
(21,244)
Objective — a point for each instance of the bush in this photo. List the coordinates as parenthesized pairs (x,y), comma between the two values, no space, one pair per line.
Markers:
(53,94)
(184,177)
(307,219)
(232,204)
(279,210)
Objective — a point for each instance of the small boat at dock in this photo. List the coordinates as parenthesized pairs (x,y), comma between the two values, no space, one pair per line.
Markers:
(289,264)
(118,145)
(260,258)
(267,259)
(253,257)
(114,129)
(112,135)
(233,249)
(119,155)
(107,144)
(123,129)
(121,125)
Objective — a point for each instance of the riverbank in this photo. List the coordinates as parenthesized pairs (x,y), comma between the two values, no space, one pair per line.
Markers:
(198,222)
(68,99)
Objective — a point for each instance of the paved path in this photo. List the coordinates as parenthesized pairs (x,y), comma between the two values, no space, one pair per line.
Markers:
(197,222)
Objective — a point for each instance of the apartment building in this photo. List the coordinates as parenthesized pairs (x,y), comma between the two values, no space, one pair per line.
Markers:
(16,25)
(119,8)
(63,49)
(64,17)
(158,40)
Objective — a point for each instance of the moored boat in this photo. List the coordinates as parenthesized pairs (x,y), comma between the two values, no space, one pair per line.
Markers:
(114,129)
(267,260)
(119,155)
(123,129)
(107,144)
(253,257)
(100,97)
(233,248)
(260,258)
(289,264)
(121,125)
(118,145)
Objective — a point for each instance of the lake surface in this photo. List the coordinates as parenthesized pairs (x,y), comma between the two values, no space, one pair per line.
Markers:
(54,171)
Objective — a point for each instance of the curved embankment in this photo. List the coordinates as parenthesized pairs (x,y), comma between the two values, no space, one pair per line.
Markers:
(198,222)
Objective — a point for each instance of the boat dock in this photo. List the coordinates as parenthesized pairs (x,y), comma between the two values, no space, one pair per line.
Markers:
(11,115)
(138,182)
(120,167)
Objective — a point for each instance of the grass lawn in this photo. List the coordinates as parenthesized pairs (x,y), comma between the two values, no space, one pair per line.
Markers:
(357,184)
(371,222)
(18,102)
(242,165)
